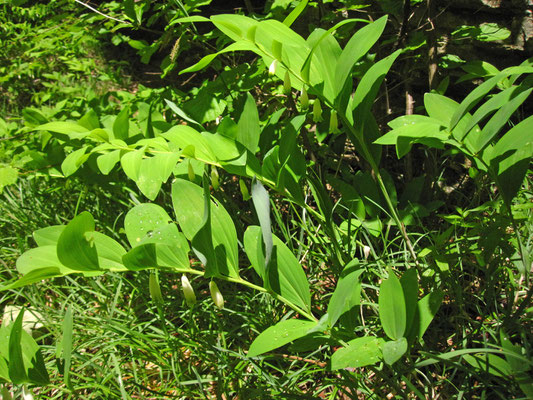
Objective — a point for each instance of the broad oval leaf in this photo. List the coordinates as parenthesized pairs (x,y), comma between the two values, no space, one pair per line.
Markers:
(284,274)
(131,163)
(33,276)
(74,160)
(392,311)
(106,162)
(142,220)
(48,236)
(348,285)
(194,144)
(360,352)
(427,309)
(279,335)
(490,363)
(189,206)
(74,250)
(394,350)
(358,45)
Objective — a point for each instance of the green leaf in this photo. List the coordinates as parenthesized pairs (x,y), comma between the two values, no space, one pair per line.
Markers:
(66,344)
(121,126)
(64,127)
(248,129)
(90,120)
(284,275)
(479,93)
(48,236)
(154,171)
(109,251)
(427,309)
(131,163)
(404,137)
(491,31)
(360,352)
(141,257)
(490,363)
(41,257)
(279,335)
(367,89)
(8,176)
(74,160)
(233,25)
(25,361)
(439,107)
(347,285)
(189,204)
(73,248)
(394,350)
(324,53)
(192,142)
(289,20)
(513,352)
(261,202)
(509,158)
(182,113)
(358,45)
(107,161)
(205,61)
(392,311)
(17,372)
(501,118)
(33,276)
(409,282)
(202,242)
(142,220)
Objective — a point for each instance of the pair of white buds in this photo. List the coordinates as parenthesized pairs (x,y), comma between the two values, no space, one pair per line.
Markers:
(190,296)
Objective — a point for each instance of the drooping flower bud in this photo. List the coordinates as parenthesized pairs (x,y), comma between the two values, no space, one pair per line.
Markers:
(188,291)
(26,393)
(304,99)
(333,122)
(244,190)
(214,178)
(155,288)
(190,171)
(272,68)
(216,295)
(366,252)
(317,111)
(287,83)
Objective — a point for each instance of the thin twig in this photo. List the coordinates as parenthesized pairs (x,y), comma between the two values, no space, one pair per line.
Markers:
(101,13)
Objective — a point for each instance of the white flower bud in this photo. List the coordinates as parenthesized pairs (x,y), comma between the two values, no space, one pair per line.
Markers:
(272,68)
(216,295)
(244,190)
(333,122)
(214,178)
(155,289)
(26,394)
(317,111)
(304,99)
(366,252)
(188,291)
(287,83)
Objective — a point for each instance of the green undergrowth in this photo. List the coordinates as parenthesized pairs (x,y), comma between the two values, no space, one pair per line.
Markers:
(267,221)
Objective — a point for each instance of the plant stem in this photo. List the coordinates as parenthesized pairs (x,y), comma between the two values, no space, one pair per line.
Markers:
(239,280)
